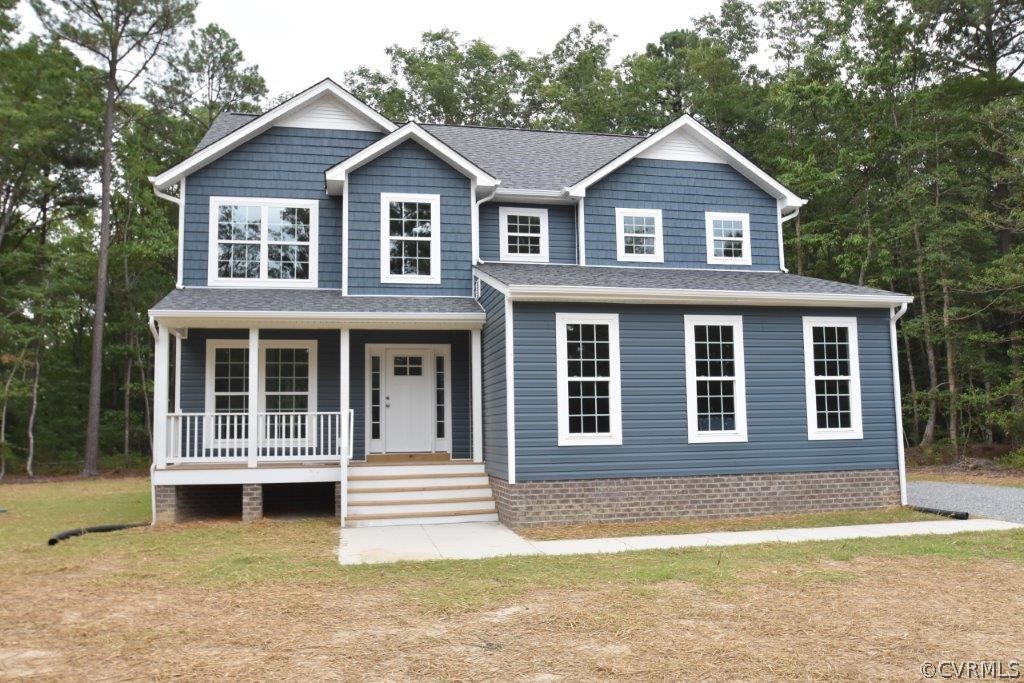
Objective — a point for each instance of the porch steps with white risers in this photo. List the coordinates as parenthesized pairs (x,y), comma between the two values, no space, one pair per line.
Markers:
(418,493)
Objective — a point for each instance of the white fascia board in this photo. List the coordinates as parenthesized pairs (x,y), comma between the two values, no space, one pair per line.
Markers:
(699,296)
(736,160)
(336,176)
(528,196)
(262,123)
(242,319)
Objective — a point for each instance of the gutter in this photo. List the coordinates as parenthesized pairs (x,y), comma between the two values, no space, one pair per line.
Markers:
(897,313)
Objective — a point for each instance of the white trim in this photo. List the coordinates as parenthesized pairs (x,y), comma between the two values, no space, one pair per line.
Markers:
(344,398)
(474,223)
(614,436)
(344,241)
(161,359)
(262,123)
(734,158)
(181,233)
(620,235)
(510,393)
(898,399)
(477,390)
(265,204)
(581,234)
(435,239)
(739,380)
(239,474)
(856,429)
(177,373)
(709,237)
(310,345)
(253,381)
(503,213)
(431,352)
(337,176)
(527,196)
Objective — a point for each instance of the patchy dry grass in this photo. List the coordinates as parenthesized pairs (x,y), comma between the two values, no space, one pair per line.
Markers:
(269,601)
(696,526)
(958,476)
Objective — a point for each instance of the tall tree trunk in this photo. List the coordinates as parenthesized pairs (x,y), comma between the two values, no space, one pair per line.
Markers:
(127,409)
(954,431)
(3,414)
(92,427)
(914,410)
(140,368)
(30,459)
(928,435)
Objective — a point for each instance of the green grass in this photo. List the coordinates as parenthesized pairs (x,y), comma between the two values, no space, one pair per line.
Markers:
(228,553)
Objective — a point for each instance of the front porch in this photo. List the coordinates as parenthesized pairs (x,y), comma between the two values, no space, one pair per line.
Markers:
(278,404)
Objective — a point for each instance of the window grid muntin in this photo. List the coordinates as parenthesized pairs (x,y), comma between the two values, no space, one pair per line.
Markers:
(440,388)
(407,366)
(639,234)
(831,366)
(715,359)
(230,392)
(263,241)
(588,365)
(727,235)
(375,391)
(410,232)
(523,234)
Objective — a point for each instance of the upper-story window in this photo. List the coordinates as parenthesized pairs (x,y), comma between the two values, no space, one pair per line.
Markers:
(263,242)
(638,235)
(728,238)
(410,241)
(832,374)
(524,234)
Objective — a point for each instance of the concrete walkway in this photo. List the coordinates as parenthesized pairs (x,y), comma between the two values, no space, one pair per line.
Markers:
(478,540)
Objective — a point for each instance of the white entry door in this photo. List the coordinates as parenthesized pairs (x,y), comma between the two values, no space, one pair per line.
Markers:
(408,401)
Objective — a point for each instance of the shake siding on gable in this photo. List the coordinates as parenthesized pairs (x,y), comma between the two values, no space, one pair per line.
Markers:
(409,168)
(561,231)
(684,191)
(282,162)
(654,398)
(494,394)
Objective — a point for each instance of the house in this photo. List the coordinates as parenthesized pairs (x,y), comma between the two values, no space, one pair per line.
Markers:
(435,323)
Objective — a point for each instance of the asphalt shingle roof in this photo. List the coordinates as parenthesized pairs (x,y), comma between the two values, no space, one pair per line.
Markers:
(225,124)
(551,275)
(533,159)
(307,301)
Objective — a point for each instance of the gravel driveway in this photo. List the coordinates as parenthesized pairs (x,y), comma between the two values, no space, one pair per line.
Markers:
(994,502)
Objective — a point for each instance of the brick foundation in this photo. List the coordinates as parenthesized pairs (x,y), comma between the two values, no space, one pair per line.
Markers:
(543,503)
(184,503)
(252,502)
(165,504)
(337,500)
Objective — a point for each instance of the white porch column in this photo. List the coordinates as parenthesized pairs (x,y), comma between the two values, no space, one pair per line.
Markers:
(254,393)
(343,388)
(478,398)
(161,370)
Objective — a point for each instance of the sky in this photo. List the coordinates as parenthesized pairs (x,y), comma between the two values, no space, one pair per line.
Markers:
(296,43)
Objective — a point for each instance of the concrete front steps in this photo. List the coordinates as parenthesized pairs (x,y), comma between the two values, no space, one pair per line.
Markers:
(418,493)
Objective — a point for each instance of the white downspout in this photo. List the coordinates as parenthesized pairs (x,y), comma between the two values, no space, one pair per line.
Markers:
(783,219)
(476,210)
(177,201)
(896,314)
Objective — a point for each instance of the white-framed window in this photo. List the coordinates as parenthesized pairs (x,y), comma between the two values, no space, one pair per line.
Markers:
(410,238)
(589,381)
(716,395)
(524,234)
(638,235)
(287,389)
(728,237)
(832,373)
(263,242)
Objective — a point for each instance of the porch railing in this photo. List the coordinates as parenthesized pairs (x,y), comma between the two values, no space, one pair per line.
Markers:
(226,437)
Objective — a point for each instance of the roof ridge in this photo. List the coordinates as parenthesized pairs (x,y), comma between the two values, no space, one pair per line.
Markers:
(533,130)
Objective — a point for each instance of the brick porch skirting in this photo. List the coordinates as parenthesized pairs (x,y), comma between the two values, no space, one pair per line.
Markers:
(542,503)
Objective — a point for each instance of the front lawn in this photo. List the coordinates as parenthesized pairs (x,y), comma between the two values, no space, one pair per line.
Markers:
(264,601)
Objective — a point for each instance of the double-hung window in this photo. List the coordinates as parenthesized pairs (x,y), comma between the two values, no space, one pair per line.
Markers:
(728,238)
(638,235)
(832,374)
(524,234)
(716,405)
(589,385)
(270,242)
(410,240)
(227,389)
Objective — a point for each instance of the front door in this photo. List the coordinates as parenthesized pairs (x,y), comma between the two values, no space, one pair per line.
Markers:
(408,404)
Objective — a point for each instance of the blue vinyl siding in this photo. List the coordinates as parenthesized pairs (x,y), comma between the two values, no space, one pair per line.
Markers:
(493,380)
(460,356)
(561,231)
(193,365)
(282,162)
(412,169)
(684,191)
(654,400)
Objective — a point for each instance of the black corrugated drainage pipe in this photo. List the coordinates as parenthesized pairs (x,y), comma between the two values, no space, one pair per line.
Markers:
(71,533)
